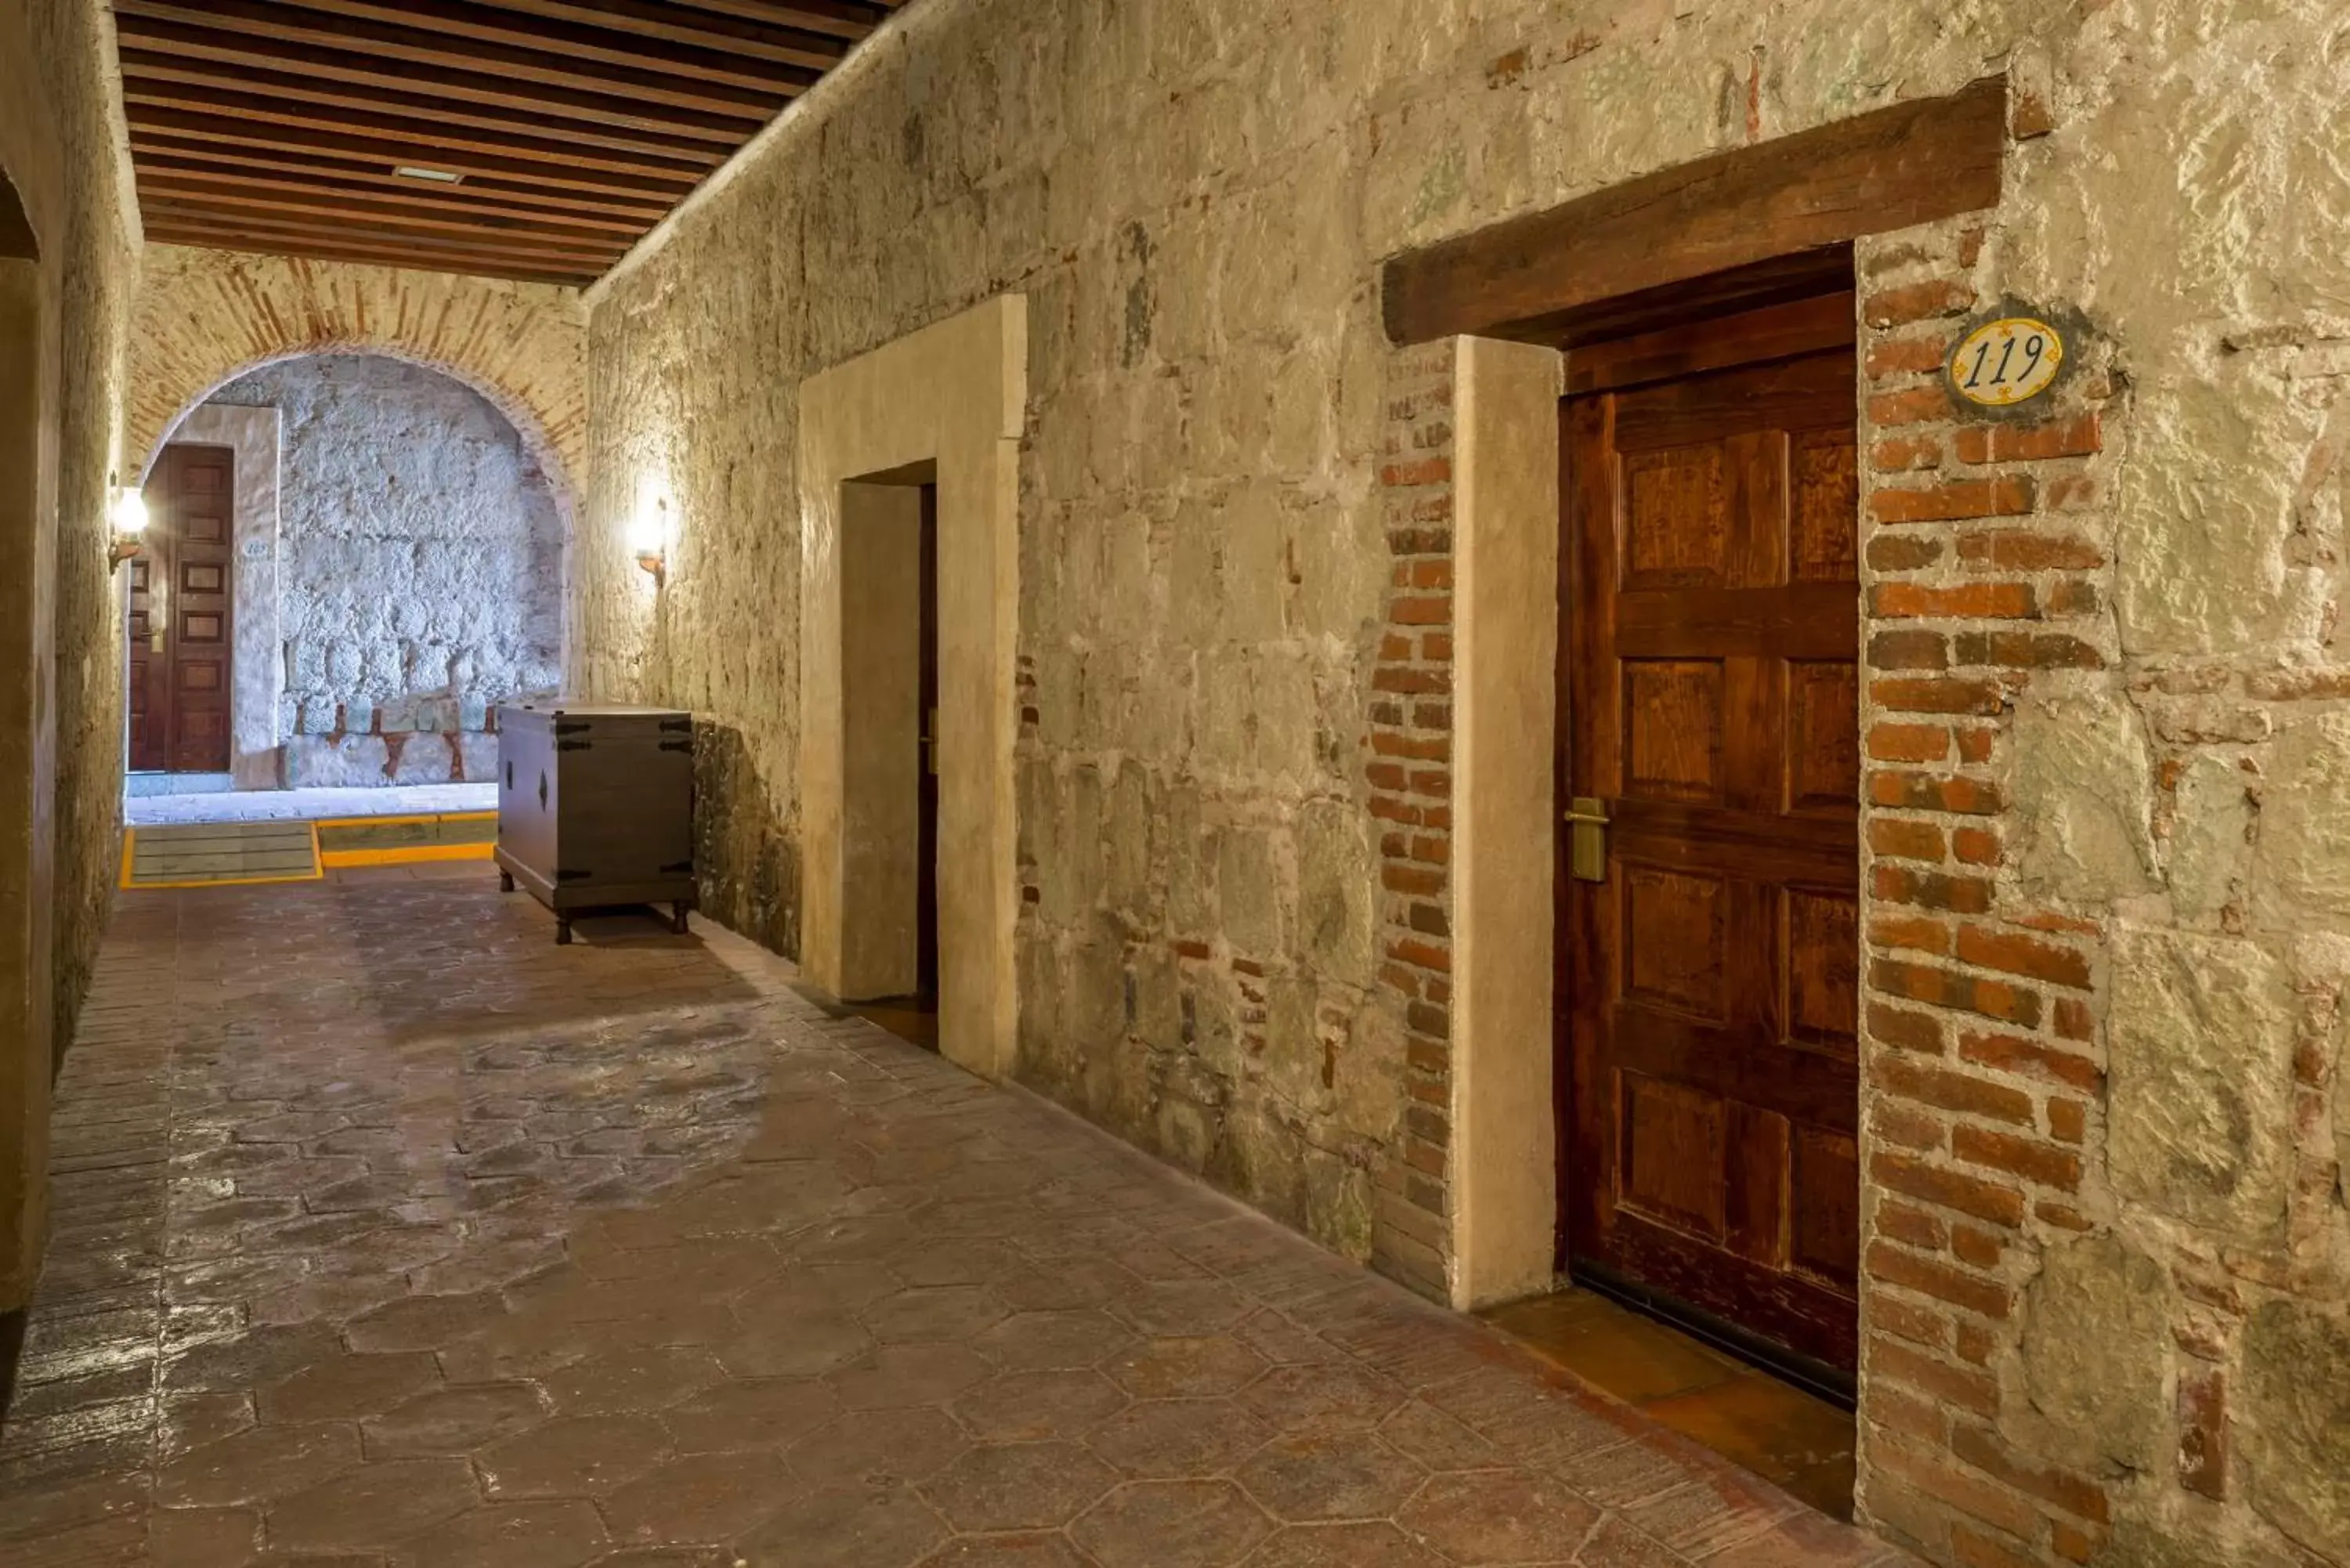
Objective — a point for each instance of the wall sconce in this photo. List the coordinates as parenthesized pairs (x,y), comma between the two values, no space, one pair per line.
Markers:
(126,518)
(649,538)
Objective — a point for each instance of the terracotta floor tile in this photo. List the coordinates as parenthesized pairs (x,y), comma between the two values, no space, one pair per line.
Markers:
(202,1537)
(350,1387)
(257,1465)
(512,1535)
(1170,1439)
(455,1420)
(1006,1552)
(1373,1545)
(700,1498)
(639,1380)
(845,1527)
(1492,1517)
(372,1505)
(1172,1525)
(574,1456)
(1321,1477)
(1017,1486)
(422,1243)
(1186,1368)
(756,1414)
(877,1447)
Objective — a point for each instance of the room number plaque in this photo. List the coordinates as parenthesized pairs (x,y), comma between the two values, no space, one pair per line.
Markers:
(2009,359)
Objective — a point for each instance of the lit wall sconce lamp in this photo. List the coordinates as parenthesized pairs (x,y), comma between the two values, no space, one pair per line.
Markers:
(126,518)
(650,539)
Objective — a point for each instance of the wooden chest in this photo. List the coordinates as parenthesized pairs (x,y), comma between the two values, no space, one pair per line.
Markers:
(596,806)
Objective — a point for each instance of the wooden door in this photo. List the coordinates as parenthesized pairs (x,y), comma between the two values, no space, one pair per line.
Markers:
(1710,695)
(181,615)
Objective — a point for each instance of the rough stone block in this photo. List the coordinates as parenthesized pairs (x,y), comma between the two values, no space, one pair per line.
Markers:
(1295,1066)
(2097,1330)
(424,759)
(2199,1104)
(2301,869)
(1129,853)
(348,762)
(1190,898)
(2203,515)
(2294,1431)
(472,713)
(400,716)
(2081,785)
(1336,877)
(2210,836)
(477,753)
(1246,891)
(1158,998)
(320,717)
(1096,1019)
(359,715)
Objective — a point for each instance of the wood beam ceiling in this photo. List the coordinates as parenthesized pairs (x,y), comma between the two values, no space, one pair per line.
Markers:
(571,127)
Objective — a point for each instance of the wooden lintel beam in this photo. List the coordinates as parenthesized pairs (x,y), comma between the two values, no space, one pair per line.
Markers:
(1533,277)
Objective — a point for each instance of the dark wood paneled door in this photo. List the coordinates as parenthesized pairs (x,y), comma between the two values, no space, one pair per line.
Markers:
(182,614)
(1708,938)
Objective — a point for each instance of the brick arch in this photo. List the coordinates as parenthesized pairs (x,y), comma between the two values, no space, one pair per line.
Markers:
(205,317)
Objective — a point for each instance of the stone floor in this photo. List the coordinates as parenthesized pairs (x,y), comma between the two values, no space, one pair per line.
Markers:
(389,1232)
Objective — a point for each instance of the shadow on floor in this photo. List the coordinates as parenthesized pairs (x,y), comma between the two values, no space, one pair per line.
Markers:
(1795,1439)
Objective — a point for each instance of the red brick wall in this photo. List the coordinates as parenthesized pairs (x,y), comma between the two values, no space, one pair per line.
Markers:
(1408,769)
(1986,570)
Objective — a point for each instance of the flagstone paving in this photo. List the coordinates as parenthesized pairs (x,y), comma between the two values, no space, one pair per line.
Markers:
(389,1232)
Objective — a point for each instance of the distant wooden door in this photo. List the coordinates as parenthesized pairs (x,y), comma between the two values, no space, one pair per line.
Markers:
(182,614)
(1710,699)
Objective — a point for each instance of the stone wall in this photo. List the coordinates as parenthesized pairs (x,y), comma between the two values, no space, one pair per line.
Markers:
(62,151)
(2107,706)
(418,570)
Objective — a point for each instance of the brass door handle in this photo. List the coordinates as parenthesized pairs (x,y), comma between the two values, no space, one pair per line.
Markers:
(1586,820)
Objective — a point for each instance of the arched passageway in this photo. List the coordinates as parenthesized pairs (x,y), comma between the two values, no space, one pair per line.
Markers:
(353,559)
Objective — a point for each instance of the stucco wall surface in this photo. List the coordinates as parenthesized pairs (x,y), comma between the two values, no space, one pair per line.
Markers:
(61,148)
(1194,195)
(419,570)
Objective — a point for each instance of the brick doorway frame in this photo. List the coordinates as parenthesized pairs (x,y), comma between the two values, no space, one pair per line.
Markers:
(1981,1034)
(950,400)
(1489,319)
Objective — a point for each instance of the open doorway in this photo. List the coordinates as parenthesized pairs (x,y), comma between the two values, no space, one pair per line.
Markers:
(351,560)
(890,586)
